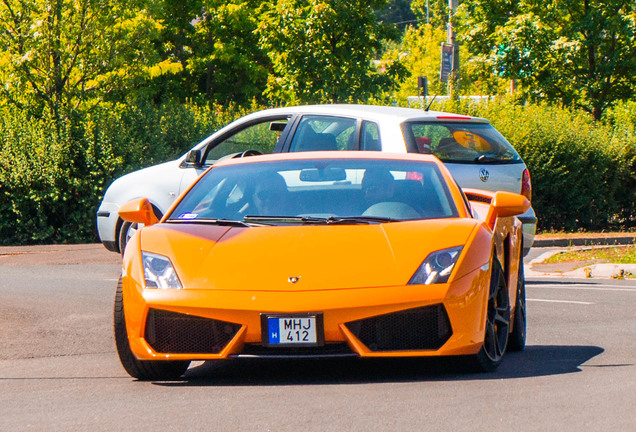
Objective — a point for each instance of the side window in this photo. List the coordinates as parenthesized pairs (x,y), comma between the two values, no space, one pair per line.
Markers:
(370,137)
(260,136)
(428,137)
(316,133)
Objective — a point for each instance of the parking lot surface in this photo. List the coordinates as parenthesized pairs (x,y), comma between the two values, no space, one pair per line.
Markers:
(59,369)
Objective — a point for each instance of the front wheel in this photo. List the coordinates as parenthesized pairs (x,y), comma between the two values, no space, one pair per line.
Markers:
(497,323)
(140,369)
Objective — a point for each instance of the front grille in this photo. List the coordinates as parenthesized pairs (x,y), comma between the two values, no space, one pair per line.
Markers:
(171,332)
(333,349)
(424,328)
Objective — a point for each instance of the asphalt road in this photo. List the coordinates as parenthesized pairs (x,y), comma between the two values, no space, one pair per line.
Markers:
(59,370)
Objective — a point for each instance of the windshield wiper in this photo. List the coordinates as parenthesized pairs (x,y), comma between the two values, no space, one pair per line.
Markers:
(360,219)
(331,220)
(488,159)
(272,220)
(221,222)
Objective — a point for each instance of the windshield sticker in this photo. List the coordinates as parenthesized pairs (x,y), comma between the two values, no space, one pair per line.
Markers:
(472,141)
(188,216)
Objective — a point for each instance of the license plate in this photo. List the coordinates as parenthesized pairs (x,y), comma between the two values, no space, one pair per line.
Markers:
(296,330)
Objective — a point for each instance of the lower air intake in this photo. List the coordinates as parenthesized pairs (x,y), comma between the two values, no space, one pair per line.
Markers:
(171,332)
(424,328)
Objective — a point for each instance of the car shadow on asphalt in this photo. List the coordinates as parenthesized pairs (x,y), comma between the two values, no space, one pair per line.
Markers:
(534,361)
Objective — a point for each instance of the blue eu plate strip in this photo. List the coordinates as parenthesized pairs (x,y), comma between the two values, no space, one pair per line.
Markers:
(274,331)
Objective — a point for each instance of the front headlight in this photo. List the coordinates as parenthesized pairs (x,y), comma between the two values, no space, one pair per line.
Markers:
(437,267)
(159,272)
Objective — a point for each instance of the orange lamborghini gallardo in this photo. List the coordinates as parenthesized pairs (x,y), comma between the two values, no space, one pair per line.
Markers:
(322,254)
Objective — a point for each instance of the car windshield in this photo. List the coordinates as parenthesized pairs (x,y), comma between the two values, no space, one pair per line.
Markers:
(460,142)
(317,191)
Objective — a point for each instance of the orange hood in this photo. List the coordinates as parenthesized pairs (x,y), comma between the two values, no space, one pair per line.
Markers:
(321,256)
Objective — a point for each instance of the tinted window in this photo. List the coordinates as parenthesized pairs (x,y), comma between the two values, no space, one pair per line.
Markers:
(399,190)
(460,142)
(370,137)
(318,133)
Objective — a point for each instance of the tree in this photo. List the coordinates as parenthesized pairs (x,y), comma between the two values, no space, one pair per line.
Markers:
(579,52)
(58,54)
(228,63)
(323,51)
(209,51)
(437,12)
(397,12)
(419,52)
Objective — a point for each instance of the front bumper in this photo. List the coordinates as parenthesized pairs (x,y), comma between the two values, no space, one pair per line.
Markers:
(397,321)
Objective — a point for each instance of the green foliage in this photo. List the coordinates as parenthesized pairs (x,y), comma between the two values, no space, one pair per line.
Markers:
(581,53)
(211,52)
(57,55)
(51,182)
(323,51)
(396,12)
(90,90)
(582,171)
(419,52)
(437,12)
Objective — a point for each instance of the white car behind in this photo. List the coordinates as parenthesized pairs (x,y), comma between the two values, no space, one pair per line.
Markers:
(476,154)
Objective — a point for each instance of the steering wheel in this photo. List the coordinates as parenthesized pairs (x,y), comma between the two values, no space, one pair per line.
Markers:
(246,153)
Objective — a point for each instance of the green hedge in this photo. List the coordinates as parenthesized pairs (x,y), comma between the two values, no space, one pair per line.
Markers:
(53,174)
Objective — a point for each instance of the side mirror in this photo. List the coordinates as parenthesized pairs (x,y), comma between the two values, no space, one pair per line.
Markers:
(194,157)
(506,204)
(139,211)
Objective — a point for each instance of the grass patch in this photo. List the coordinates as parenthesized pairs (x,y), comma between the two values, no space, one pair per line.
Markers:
(614,254)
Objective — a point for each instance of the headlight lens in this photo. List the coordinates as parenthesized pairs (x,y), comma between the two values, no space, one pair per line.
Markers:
(437,267)
(159,272)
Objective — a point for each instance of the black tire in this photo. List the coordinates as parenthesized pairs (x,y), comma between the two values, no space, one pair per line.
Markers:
(141,369)
(517,339)
(497,324)
(126,231)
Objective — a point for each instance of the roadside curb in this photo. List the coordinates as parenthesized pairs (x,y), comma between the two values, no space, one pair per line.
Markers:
(584,241)
(601,270)
(593,271)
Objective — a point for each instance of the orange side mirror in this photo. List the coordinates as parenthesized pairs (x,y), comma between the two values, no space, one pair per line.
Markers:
(506,204)
(138,210)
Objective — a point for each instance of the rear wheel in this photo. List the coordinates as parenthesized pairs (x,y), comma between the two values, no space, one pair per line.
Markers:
(140,369)
(497,323)
(517,340)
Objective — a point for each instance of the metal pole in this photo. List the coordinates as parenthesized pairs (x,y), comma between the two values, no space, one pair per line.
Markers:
(452,8)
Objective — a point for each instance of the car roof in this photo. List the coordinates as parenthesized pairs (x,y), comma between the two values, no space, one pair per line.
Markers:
(370,112)
(339,154)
